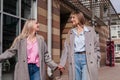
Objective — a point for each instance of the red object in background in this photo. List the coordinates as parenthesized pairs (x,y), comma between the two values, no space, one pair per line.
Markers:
(110,58)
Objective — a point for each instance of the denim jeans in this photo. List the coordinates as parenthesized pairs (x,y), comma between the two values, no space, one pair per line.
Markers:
(81,72)
(34,72)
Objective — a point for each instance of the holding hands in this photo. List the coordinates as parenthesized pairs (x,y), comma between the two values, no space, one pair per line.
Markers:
(61,68)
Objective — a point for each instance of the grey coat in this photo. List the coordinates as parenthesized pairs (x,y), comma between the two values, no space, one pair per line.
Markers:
(92,54)
(21,68)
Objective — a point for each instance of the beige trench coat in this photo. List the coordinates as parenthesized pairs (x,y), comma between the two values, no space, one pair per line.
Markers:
(21,68)
(92,54)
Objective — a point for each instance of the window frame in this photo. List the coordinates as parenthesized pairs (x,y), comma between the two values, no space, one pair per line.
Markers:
(2,13)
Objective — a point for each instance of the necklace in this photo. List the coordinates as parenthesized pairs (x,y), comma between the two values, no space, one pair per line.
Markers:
(31,39)
(79,30)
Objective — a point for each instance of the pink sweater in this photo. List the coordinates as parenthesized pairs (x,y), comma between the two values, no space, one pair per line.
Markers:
(32,52)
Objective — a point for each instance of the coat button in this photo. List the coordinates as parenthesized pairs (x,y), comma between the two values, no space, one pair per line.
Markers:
(89,53)
(90,44)
(70,63)
(91,62)
(23,60)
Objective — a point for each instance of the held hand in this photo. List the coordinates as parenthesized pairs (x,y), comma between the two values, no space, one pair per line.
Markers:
(61,68)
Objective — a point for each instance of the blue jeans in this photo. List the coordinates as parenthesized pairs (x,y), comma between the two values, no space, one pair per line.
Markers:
(80,67)
(34,72)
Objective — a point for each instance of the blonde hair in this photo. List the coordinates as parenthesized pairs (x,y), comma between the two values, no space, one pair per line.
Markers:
(27,28)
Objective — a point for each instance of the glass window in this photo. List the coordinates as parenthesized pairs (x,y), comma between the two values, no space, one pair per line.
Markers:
(113,28)
(114,36)
(118,47)
(0,5)
(22,24)
(96,0)
(10,27)
(118,27)
(115,47)
(26,8)
(11,6)
(0,36)
(119,34)
(10,31)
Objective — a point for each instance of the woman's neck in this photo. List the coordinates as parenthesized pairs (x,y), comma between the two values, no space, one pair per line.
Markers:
(31,37)
(79,28)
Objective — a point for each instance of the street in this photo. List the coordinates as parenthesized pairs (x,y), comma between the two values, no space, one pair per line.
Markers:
(110,73)
(106,73)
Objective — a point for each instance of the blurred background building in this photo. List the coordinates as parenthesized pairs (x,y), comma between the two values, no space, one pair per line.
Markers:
(54,19)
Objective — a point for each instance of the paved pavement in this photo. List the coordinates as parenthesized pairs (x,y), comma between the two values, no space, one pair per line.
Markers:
(110,73)
(105,73)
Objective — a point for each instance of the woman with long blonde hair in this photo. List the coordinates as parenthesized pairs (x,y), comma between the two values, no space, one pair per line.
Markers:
(32,53)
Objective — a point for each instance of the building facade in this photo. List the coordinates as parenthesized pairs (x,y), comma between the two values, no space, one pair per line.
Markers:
(115,36)
(14,13)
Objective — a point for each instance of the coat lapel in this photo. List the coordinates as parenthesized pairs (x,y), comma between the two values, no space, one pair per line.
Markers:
(87,36)
(24,48)
(39,46)
(72,38)
(40,50)
(24,57)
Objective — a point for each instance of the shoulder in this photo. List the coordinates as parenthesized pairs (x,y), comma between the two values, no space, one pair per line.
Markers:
(71,31)
(90,28)
(40,37)
(17,40)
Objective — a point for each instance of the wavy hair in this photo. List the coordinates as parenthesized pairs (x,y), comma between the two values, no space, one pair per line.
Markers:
(27,29)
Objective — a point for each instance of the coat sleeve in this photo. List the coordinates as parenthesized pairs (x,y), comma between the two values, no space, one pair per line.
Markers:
(97,48)
(48,59)
(9,53)
(64,55)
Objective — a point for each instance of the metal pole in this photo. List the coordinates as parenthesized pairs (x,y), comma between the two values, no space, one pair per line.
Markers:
(93,13)
(49,38)
(1,37)
(109,24)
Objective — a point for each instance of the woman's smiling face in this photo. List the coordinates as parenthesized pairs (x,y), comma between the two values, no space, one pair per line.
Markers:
(36,26)
(74,20)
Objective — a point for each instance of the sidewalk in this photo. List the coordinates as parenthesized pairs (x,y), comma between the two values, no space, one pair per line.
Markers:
(110,73)
(106,73)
